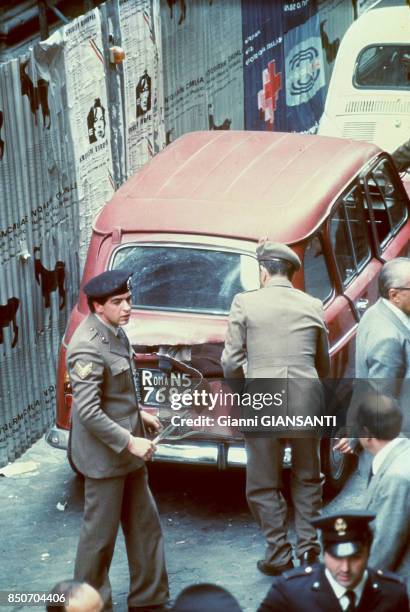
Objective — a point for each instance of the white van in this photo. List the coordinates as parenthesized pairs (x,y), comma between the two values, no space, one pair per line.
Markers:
(369,91)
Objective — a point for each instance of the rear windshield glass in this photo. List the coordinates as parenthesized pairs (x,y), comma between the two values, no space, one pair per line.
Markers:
(186,279)
(383,66)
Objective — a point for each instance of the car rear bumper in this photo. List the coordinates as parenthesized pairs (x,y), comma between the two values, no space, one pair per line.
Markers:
(57,437)
(218,453)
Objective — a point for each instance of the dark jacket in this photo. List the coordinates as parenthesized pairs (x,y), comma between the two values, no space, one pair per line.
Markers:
(307,588)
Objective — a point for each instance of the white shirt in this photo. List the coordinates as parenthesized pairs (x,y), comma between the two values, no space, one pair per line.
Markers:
(340,590)
(399,313)
(382,454)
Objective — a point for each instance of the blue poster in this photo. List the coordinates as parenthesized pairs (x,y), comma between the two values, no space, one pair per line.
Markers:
(305,76)
(264,84)
(297,13)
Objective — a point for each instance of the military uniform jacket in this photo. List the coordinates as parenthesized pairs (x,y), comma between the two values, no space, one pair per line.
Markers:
(279,332)
(105,409)
(307,589)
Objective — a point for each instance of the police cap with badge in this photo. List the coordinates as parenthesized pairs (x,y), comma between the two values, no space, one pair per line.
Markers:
(345,533)
(276,251)
(111,282)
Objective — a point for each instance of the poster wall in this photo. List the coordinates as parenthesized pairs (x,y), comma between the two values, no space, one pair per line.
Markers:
(38,213)
(201,57)
(88,117)
(284,77)
(143,95)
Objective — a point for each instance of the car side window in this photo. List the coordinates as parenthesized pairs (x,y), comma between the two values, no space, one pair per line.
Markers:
(349,235)
(386,200)
(317,279)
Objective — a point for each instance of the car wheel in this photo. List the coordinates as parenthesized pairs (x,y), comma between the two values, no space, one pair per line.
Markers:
(336,466)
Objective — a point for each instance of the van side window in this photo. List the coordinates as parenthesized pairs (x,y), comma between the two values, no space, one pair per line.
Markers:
(387,202)
(349,235)
(317,279)
(383,66)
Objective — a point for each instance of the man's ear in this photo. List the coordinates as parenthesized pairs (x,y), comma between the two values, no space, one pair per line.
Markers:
(263,275)
(366,433)
(98,308)
(392,293)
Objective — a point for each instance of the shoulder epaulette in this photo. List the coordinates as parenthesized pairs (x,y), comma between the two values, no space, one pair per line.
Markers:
(93,332)
(386,575)
(297,572)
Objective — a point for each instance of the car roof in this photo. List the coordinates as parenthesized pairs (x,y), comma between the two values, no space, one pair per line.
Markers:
(237,184)
(385,25)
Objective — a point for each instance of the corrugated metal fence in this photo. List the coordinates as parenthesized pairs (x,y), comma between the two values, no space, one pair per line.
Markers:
(73,127)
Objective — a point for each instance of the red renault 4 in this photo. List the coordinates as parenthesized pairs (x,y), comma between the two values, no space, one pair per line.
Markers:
(188,224)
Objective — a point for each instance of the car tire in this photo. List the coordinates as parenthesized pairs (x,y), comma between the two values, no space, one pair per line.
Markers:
(336,466)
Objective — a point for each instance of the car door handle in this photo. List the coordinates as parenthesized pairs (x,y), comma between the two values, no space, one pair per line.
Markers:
(362,305)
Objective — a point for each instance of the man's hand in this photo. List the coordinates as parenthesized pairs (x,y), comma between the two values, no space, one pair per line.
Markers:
(152,423)
(343,446)
(141,447)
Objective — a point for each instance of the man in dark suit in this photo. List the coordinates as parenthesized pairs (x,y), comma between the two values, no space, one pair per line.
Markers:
(279,333)
(109,448)
(379,423)
(343,582)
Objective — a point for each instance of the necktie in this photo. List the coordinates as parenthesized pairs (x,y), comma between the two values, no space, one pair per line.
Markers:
(122,336)
(370,476)
(351,596)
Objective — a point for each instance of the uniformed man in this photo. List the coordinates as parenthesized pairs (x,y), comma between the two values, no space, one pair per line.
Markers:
(343,582)
(278,333)
(109,447)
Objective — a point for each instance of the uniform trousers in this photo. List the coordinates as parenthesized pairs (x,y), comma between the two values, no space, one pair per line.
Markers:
(265,499)
(107,503)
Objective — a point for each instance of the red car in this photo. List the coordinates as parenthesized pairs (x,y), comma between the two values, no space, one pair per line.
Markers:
(188,224)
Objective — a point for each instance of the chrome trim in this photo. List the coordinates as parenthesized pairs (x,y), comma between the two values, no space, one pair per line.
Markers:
(205,453)
(198,454)
(57,437)
(343,340)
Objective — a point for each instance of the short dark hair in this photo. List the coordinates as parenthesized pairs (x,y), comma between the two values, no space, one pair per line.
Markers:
(91,300)
(68,588)
(278,267)
(379,416)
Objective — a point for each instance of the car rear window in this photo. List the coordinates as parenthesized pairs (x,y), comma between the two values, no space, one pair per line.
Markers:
(186,278)
(383,66)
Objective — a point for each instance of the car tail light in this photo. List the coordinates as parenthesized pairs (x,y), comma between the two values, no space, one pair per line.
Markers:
(64,393)
(68,392)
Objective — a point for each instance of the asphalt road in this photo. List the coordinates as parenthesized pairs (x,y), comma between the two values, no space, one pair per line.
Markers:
(210,534)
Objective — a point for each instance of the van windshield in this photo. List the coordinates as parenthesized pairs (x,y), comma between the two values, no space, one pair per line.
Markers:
(186,278)
(383,66)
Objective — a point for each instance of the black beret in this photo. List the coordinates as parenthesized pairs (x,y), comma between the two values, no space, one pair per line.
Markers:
(344,533)
(269,251)
(111,282)
(205,597)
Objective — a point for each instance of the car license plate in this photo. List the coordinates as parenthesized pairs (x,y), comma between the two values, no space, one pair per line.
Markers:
(157,388)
